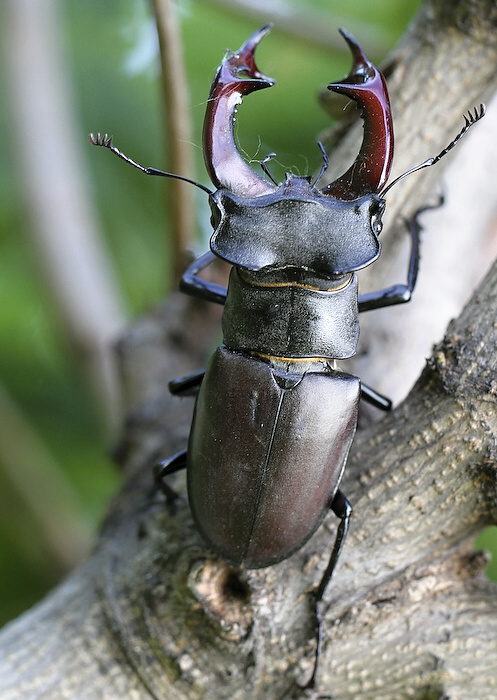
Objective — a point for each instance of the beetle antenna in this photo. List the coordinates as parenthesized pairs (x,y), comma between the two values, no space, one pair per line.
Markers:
(326,162)
(266,170)
(106,142)
(471,118)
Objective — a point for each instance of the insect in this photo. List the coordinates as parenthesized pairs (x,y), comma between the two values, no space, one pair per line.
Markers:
(275,415)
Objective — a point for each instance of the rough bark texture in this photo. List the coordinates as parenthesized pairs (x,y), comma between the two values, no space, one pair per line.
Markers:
(409,613)
(444,66)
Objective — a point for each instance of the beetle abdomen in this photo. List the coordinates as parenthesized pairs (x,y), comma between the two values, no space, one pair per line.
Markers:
(266,454)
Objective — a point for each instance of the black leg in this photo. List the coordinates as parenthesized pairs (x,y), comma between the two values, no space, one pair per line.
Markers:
(398,293)
(197,287)
(166,468)
(343,510)
(187,385)
(375,399)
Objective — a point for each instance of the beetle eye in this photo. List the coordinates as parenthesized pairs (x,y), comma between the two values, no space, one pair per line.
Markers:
(377,224)
(377,211)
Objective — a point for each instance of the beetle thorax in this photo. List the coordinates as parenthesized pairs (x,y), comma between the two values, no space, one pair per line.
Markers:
(296,227)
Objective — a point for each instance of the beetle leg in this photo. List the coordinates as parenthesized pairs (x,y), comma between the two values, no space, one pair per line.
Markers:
(170,466)
(343,510)
(400,293)
(195,286)
(397,293)
(166,468)
(187,385)
(374,398)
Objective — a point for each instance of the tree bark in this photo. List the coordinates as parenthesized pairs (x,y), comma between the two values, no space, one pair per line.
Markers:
(409,613)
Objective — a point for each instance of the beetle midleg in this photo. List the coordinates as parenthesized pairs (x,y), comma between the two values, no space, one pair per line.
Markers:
(187,385)
(169,466)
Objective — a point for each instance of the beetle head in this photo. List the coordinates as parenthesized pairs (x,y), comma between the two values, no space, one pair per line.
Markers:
(260,225)
(296,226)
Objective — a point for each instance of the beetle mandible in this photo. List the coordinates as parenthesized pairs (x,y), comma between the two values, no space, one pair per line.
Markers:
(275,416)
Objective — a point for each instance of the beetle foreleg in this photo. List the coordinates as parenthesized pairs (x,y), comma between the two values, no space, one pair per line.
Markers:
(400,293)
(397,293)
(195,286)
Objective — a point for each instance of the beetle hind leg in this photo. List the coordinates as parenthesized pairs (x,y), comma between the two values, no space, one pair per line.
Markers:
(343,510)
(374,398)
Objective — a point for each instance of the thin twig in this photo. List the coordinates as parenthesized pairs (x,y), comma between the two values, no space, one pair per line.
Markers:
(178,127)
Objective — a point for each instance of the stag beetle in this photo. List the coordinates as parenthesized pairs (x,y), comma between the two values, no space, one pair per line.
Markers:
(275,416)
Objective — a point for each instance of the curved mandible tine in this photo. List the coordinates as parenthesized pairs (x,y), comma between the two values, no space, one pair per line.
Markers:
(265,168)
(366,85)
(325,164)
(236,77)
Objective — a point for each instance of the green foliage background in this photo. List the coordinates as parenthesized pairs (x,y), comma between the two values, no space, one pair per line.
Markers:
(113,64)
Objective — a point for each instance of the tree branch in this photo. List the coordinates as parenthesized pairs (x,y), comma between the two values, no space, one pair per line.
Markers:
(409,612)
